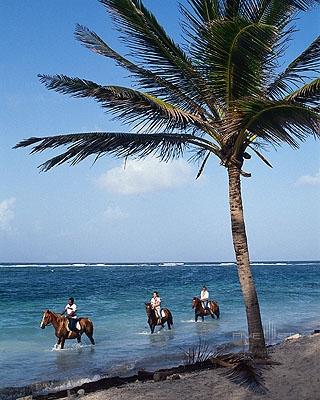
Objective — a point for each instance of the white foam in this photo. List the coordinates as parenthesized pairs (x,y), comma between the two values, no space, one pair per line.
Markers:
(69,384)
(171,264)
(268,264)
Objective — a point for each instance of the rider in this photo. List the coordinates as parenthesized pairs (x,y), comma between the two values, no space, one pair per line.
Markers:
(156,304)
(71,313)
(204,297)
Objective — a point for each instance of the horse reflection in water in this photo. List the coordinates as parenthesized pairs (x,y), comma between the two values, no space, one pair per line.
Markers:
(62,330)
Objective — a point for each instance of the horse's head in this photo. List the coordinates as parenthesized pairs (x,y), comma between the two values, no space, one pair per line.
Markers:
(46,319)
(148,308)
(195,302)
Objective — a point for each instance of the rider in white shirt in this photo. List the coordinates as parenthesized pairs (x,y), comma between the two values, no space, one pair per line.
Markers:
(71,313)
(156,304)
(204,297)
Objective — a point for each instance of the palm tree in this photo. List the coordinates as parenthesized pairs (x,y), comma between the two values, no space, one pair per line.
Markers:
(220,93)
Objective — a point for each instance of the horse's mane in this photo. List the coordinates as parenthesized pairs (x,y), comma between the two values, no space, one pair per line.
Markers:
(57,315)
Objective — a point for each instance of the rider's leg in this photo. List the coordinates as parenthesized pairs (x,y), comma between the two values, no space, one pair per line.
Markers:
(158,309)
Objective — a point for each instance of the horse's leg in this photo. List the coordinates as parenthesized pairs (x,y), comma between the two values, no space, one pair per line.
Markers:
(202,318)
(58,342)
(195,317)
(62,340)
(89,333)
(152,328)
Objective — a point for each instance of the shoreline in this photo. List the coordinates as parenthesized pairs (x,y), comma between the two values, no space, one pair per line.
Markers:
(296,377)
(108,385)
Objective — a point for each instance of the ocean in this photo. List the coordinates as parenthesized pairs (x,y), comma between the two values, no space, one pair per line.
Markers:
(113,297)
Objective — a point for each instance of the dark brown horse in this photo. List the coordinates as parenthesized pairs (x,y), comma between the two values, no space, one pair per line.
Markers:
(153,319)
(200,311)
(62,330)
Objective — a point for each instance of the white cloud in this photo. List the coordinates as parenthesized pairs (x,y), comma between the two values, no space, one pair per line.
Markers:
(147,175)
(6,214)
(115,214)
(312,180)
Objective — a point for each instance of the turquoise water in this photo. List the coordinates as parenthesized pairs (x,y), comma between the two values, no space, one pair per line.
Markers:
(113,297)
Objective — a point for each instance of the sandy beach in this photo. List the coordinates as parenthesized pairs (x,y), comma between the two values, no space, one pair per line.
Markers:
(296,378)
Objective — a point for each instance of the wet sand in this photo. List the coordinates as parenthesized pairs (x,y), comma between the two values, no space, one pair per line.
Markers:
(297,377)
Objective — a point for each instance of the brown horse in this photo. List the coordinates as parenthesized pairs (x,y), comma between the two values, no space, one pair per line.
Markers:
(200,311)
(153,319)
(62,330)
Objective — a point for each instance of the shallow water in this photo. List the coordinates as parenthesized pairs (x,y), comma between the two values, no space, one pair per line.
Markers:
(113,297)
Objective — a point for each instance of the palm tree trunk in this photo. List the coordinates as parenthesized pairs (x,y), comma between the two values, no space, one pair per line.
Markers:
(256,336)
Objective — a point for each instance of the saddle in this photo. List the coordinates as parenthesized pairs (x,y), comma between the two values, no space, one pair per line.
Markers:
(73,324)
(162,315)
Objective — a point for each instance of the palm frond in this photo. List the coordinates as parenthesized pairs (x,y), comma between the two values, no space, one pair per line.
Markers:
(151,46)
(130,105)
(275,122)
(201,12)
(148,80)
(235,56)
(203,164)
(281,12)
(308,94)
(248,374)
(165,146)
(261,156)
(298,71)
(232,8)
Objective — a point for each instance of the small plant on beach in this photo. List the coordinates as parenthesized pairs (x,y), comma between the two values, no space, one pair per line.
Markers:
(198,353)
(221,93)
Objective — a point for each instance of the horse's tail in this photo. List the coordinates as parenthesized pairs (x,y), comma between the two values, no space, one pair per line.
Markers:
(170,318)
(89,330)
(217,311)
(86,325)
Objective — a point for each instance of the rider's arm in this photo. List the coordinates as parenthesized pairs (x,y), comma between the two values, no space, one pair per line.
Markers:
(71,314)
(74,310)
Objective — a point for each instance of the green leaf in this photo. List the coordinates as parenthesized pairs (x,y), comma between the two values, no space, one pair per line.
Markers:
(155,84)
(236,57)
(308,94)
(132,106)
(304,67)
(82,145)
(275,122)
(151,46)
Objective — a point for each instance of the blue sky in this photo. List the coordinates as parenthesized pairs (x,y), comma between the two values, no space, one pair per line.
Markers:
(147,212)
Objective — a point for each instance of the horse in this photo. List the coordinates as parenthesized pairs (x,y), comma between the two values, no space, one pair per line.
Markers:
(200,311)
(62,331)
(153,319)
